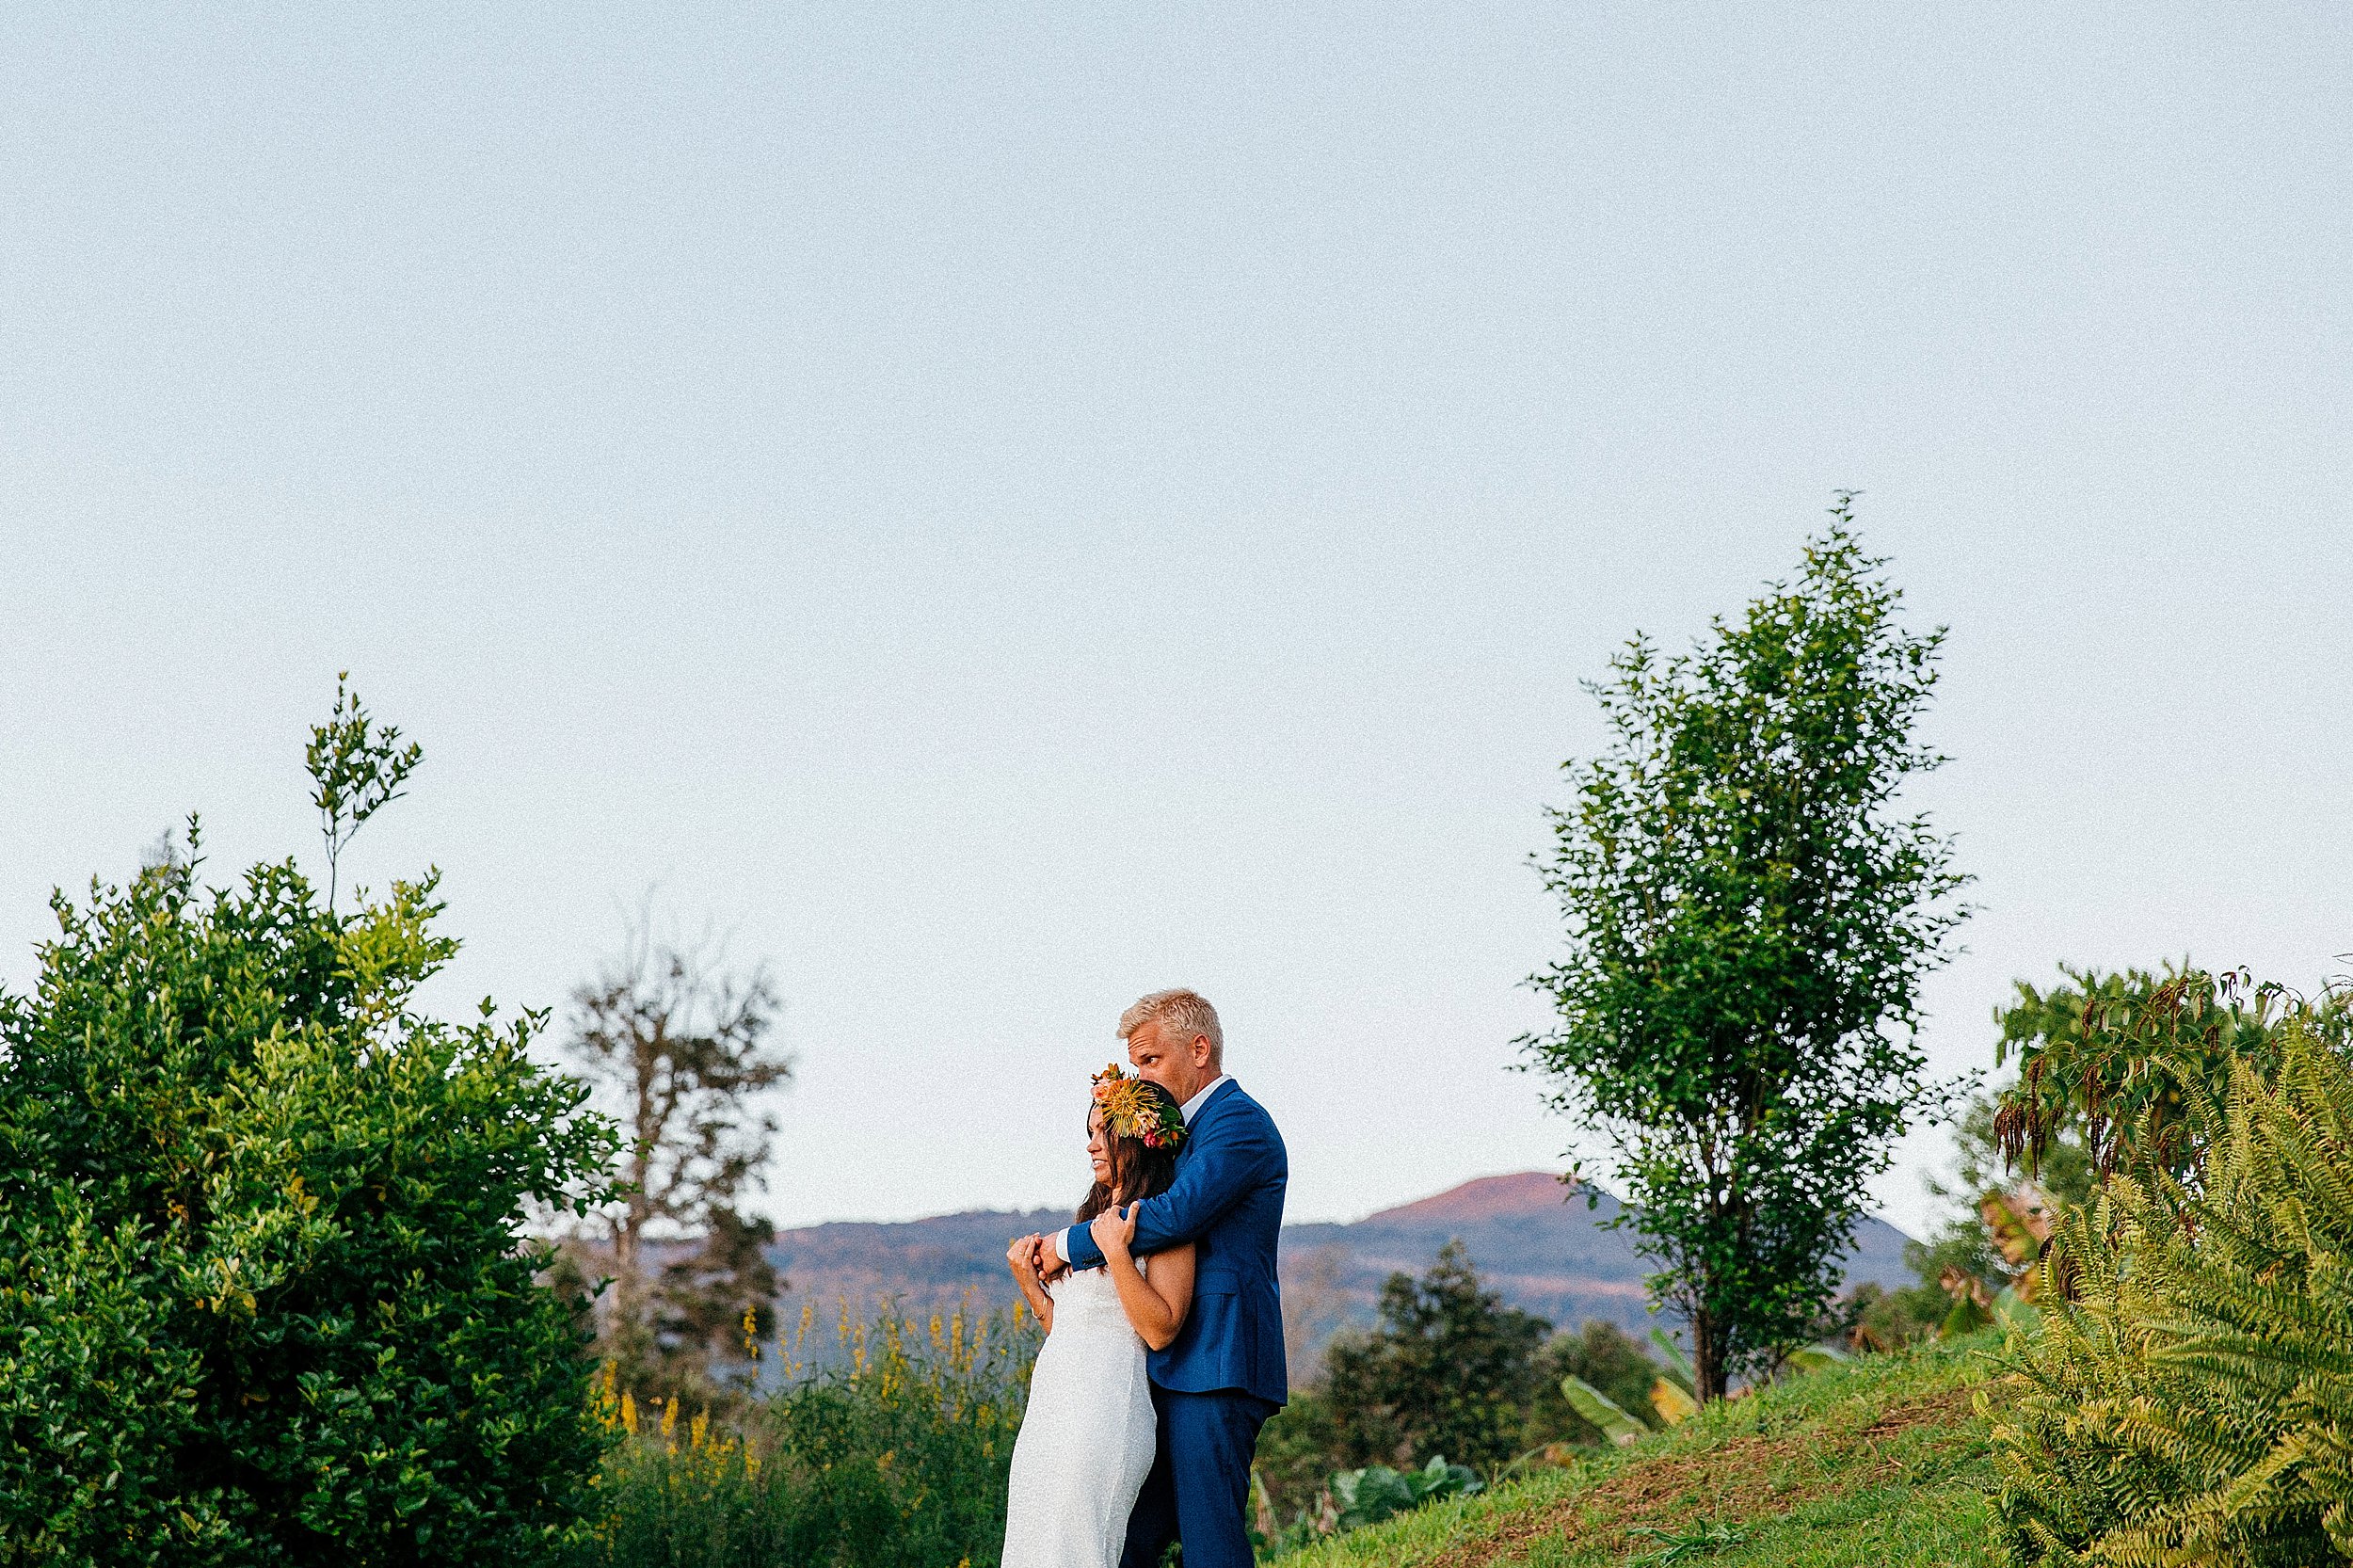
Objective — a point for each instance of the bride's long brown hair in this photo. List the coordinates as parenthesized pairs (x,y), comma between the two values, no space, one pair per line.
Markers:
(1138,1170)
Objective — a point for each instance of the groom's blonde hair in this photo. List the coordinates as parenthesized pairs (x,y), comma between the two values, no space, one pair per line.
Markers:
(1182,1015)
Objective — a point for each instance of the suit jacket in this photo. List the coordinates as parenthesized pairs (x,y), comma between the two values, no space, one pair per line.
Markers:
(1227,1200)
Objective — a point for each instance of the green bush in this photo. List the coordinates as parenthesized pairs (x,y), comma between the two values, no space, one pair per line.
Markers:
(893,1456)
(1449,1370)
(264,1297)
(2117,1063)
(1299,1448)
(1357,1499)
(1375,1493)
(2195,1404)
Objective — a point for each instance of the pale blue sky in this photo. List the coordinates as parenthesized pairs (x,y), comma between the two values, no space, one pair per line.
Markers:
(1011,509)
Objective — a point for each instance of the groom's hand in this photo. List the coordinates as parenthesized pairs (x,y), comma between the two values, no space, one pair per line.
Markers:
(1115,1230)
(1049,1263)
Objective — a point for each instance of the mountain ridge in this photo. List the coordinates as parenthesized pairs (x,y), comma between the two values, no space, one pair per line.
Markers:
(1527,1232)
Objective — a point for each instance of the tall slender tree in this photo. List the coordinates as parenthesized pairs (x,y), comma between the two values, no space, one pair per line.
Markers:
(1751,909)
(678,1045)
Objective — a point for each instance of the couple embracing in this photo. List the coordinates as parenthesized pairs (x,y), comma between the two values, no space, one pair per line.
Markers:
(1163,1353)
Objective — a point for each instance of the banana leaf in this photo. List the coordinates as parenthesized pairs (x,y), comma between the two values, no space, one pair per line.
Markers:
(1674,1405)
(1601,1411)
(1674,1362)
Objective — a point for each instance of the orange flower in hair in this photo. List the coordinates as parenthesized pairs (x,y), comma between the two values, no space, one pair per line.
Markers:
(1133,1110)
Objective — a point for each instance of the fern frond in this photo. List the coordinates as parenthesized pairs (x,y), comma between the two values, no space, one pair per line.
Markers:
(2194,1402)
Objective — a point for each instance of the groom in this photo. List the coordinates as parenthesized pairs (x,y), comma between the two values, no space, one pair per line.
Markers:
(1220,1379)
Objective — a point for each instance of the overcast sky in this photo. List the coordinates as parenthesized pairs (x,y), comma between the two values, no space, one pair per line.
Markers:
(1003,510)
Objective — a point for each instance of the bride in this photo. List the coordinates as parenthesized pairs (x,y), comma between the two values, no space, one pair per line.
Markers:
(1087,1439)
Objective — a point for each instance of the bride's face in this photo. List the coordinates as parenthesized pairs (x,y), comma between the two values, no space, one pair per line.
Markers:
(1098,1148)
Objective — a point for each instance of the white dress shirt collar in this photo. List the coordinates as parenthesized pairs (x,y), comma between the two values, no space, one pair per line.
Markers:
(1192,1106)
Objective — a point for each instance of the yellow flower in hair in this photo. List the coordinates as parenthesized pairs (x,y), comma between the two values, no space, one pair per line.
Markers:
(1132,1110)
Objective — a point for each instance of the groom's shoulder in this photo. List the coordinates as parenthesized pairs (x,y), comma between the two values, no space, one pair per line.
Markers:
(1233,1101)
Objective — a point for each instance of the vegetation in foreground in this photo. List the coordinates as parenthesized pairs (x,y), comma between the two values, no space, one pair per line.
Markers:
(893,1456)
(1883,1460)
(2194,1405)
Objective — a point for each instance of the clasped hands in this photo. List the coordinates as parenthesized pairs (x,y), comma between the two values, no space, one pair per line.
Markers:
(1115,1231)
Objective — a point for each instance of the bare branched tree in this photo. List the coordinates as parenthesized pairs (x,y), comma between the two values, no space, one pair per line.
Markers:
(678,1044)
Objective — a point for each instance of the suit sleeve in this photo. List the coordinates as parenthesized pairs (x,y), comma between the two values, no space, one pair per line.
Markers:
(1237,1156)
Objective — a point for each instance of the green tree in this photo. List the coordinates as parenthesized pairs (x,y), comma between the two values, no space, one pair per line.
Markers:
(2108,1062)
(1750,915)
(1448,1371)
(266,1296)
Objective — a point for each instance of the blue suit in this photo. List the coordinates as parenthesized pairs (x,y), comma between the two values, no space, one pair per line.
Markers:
(1222,1375)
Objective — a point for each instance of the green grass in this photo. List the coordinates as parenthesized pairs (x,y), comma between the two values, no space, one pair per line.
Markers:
(1881,1462)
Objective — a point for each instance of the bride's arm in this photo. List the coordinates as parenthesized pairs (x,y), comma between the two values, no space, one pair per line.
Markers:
(1157,1306)
(1021,1257)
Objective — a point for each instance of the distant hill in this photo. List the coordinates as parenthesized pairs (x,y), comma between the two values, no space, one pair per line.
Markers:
(1531,1239)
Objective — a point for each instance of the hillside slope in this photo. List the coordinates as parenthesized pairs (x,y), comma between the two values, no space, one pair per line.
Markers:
(1883,1462)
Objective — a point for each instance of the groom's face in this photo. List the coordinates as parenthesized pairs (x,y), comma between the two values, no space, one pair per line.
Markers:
(1179,1067)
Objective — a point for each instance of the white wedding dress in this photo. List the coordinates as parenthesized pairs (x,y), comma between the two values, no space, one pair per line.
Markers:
(1087,1438)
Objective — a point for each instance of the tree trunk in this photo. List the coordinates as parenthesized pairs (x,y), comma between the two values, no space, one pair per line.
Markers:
(1707,1365)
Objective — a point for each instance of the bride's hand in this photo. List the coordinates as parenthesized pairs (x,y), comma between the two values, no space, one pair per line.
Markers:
(1021,1257)
(1115,1230)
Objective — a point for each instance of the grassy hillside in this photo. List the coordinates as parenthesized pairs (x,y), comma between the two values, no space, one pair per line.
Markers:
(1883,1462)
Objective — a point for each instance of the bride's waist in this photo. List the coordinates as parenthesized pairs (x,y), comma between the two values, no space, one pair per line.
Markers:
(1094,1326)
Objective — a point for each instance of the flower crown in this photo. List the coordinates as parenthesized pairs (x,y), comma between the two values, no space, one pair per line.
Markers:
(1133,1112)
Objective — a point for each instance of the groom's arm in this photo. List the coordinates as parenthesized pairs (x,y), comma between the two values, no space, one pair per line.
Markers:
(1207,1188)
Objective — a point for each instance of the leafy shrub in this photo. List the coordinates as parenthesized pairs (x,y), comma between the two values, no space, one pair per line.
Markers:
(1355,1498)
(1375,1493)
(1299,1449)
(1889,1320)
(265,1298)
(1449,1363)
(2196,1403)
(894,1456)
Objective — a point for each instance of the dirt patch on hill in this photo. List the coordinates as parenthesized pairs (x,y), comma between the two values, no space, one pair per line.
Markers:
(1737,1480)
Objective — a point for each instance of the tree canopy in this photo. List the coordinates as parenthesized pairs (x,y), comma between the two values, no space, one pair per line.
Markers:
(1448,1373)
